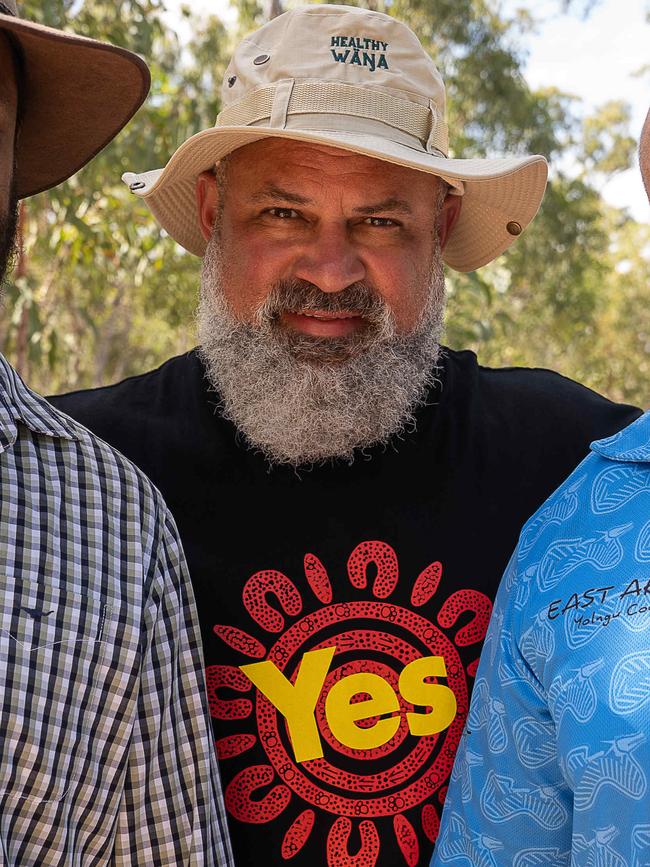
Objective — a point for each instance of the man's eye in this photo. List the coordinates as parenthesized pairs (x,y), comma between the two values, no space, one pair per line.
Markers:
(379,222)
(283,213)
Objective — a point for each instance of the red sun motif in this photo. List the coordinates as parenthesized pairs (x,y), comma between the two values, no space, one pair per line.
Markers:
(349,787)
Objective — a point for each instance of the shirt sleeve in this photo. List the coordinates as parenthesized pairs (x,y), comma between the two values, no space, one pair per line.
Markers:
(598,692)
(553,765)
(508,802)
(172,812)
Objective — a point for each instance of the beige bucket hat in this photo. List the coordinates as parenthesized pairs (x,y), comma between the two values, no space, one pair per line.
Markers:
(357,80)
(78,94)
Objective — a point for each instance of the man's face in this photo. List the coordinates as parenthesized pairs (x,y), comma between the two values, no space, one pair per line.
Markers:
(322,297)
(8,106)
(294,211)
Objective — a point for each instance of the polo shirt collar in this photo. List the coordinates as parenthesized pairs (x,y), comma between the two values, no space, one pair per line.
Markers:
(632,444)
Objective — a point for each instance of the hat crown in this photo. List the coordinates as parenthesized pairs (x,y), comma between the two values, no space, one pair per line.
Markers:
(341,44)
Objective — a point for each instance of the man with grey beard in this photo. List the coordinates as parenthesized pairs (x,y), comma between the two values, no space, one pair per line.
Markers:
(303,398)
(347,490)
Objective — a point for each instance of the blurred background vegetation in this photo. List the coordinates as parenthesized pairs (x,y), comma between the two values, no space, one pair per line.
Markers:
(99,293)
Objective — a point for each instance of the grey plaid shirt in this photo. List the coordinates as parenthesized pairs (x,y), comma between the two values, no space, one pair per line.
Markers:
(106,756)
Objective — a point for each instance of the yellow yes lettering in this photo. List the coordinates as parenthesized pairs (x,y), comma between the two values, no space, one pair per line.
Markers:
(437,696)
(297,701)
(342,714)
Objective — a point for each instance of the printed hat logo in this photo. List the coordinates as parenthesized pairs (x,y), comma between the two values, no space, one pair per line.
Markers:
(327,663)
(360,51)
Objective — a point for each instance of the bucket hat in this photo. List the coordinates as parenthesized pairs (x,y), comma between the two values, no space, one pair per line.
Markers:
(78,94)
(360,81)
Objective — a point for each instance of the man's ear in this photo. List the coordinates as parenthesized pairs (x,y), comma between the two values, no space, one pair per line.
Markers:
(447,217)
(207,202)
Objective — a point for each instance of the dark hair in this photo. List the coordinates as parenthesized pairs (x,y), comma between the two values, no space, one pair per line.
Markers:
(20,77)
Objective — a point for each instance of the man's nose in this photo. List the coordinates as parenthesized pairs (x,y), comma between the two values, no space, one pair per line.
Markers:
(330,261)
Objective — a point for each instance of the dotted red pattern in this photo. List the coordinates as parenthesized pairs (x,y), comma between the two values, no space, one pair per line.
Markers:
(383,558)
(364,786)
(430,822)
(318,579)
(240,641)
(337,845)
(265,809)
(337,795)
(219,676)
(234,745)
(270,582)
(407,840)
(461,602)
(298,834)
(426,584)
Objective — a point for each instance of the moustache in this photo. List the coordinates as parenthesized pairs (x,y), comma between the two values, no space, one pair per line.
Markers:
(299,296)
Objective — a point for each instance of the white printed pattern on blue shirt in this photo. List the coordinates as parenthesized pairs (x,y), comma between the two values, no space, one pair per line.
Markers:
(553,768)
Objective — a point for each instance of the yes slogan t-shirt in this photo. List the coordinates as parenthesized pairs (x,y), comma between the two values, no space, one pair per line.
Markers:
(343,607)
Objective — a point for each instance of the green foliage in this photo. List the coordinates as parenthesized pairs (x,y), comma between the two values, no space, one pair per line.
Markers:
(101,293)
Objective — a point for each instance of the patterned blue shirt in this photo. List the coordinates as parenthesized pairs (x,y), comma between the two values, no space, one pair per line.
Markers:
(105,749)
(554,765)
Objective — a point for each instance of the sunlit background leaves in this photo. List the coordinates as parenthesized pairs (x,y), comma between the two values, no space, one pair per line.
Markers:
(99,293)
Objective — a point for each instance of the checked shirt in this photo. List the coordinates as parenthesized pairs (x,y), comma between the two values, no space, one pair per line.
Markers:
(105,752)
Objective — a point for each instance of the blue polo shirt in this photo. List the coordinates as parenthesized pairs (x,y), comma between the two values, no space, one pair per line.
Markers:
(554,764)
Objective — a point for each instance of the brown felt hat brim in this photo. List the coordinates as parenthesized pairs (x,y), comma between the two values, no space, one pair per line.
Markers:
(78,95)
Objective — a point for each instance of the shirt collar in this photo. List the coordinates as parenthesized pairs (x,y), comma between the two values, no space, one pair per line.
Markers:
(630,444)
(20,404)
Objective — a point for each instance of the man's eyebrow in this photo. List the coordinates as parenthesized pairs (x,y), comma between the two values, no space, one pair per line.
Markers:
(273,193)
(391,204)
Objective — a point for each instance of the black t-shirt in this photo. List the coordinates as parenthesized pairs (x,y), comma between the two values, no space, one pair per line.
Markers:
(355,597)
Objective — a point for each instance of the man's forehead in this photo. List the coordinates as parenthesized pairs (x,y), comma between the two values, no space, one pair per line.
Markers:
(283,163)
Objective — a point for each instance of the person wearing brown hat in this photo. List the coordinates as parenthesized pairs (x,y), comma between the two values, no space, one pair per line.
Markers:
(553,766)
(346,489)
(106,755)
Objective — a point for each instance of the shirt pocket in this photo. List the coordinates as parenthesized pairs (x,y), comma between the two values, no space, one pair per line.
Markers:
(52,644)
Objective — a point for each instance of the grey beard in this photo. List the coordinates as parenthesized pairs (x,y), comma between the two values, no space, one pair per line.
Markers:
(302,400)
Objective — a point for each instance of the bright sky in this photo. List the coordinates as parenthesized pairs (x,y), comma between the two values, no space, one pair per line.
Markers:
(595,59)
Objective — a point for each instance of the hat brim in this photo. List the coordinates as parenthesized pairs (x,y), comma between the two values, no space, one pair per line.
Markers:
(78,95)
(497,193)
